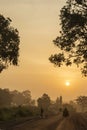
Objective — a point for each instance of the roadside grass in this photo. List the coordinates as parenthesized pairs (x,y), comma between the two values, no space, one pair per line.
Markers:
(17,112)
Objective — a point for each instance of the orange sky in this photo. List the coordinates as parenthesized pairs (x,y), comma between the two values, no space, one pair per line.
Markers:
(38,24)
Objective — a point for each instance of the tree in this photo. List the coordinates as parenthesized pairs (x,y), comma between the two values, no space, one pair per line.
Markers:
(9,43)
(61,101)
(82,101)
(70,107)
(18,98)
(72,41)
(44,102)
(5,98)
(22,98)
(57,103)
(28,101)
(27,97)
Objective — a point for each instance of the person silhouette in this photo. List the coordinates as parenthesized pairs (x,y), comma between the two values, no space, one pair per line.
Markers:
(65,112)
(41,112)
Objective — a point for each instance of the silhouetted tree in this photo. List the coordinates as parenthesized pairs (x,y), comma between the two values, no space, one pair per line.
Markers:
(61,101)
(27,97)
(82,101)
(70,107)
(44,102)
(73,104)
(18,99)
(9,43)
(22,98)
(5,98)
(57,103)
(72,41)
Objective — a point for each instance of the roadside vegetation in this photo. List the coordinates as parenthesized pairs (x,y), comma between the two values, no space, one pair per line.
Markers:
(15,105)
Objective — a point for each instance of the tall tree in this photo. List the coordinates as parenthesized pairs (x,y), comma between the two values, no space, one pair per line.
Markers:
(22,98)
(5,98)
(44,102)
(72,41)
(9,43)
(82,101)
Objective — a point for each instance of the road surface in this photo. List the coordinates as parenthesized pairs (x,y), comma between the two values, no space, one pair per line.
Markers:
(76,121)
(49,123)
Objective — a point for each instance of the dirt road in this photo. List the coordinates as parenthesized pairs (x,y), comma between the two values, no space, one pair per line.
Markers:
(49,123)
(74,122)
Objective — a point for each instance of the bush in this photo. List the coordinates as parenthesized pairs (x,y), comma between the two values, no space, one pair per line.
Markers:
(16,112)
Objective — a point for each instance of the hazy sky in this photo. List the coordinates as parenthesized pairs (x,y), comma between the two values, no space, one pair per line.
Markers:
(38,24)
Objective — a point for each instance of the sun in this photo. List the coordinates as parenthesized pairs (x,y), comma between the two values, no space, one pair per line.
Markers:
(67,83)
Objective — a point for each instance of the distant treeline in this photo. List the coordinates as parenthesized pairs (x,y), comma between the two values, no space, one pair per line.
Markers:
(15,98)
(15,104)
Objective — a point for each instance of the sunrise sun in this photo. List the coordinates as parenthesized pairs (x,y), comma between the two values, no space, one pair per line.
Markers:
(67,83)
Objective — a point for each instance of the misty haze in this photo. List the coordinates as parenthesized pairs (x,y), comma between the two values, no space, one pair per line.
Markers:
(43,65)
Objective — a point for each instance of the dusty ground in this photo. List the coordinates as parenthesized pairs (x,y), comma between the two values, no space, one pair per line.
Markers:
(50,123)
(76,121)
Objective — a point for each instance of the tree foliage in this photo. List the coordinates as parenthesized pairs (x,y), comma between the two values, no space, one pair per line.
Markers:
(82,101)
(5,98)
(15,98)
(44,101)
(9,43)
(72,41)
(22,98)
